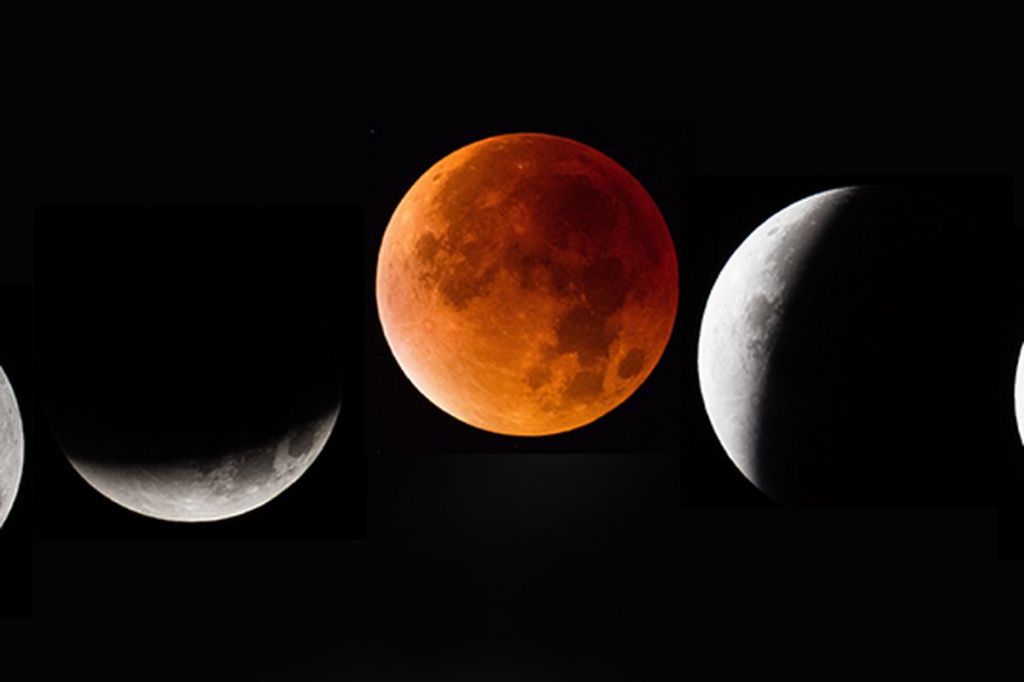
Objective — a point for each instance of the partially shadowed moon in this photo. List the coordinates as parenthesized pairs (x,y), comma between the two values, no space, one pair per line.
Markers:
(12,447)
(744,316)
(838,355)
(194,358)
(527,284)
(201,485)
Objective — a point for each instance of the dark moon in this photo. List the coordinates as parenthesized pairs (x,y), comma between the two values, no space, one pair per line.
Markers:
(1018,394)
(193,369)
(838,351)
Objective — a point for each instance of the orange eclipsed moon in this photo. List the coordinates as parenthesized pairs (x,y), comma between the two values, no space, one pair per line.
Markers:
(527,284)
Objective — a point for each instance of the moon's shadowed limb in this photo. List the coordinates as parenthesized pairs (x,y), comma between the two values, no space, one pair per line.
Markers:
(12,447)
(527,284)
(863,385)
(199,379)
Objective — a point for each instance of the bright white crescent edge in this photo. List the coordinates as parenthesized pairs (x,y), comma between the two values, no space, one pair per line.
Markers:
(196,504)
(1019,394)
(743,315)
(12,447)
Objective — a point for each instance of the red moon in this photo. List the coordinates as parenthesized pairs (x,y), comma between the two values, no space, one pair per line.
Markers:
(527,284)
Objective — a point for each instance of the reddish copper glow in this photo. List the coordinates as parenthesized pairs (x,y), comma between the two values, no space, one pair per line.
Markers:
(527,284)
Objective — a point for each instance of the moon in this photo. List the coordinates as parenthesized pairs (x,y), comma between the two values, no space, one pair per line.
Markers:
(209,488)
(527,284)
(743,318)
(12,447)
(199,378)
(836,354)
(1019,394)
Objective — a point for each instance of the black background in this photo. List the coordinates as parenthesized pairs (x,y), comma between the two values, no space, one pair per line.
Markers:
(505,566)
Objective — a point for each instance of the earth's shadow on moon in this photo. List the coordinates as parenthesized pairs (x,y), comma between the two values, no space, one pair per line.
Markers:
(527,284)
(12,447)
(872,385)
(196,372)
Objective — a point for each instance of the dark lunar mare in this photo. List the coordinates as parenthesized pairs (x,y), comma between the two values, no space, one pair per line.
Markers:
(886,343)
(186,335)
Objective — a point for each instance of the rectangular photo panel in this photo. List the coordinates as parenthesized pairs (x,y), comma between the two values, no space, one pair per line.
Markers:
(199,372)
(853,342)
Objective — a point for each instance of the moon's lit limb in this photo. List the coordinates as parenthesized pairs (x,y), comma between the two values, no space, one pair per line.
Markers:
(527,284)
(1019,394)
(12,447)
(233,485)
(743,315)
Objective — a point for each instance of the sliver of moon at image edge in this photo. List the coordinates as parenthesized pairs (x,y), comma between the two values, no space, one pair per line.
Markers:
(12,447)
(743,317)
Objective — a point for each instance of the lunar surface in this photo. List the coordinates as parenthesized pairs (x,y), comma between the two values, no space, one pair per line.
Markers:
(1020,394)
(193,358)
(12,447)
(840,356)
(527,284)
(209,488)
(743,318)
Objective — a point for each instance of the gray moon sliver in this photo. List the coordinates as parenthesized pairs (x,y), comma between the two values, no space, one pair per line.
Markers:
(743,318)
(1019,394)
(12,447)
(214,489)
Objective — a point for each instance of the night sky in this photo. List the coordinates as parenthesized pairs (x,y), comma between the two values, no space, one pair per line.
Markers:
(631,549)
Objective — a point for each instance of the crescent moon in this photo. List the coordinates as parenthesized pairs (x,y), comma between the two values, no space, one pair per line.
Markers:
(741,322)
(191,491)
(12,447)
(1019,394)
